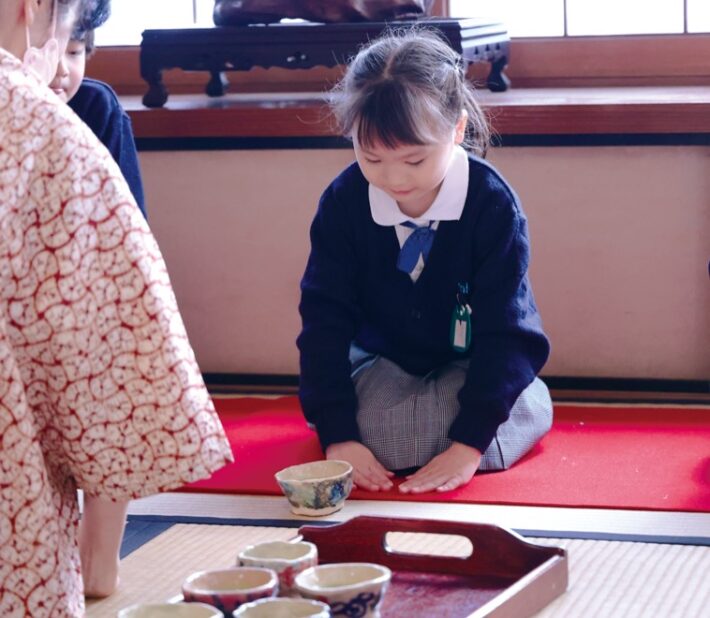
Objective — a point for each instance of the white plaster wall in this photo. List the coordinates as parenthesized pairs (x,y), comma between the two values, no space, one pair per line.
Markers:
(620,237)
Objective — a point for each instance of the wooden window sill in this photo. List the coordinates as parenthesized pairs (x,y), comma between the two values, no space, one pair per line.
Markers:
(523,111)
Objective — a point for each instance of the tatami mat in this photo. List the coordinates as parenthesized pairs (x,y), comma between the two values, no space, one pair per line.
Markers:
(609,524)
(607,578)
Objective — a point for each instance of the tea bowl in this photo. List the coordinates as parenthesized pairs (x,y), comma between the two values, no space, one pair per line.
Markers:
(350,588)
(283,608)
(227,589)
(316,488)
(287,559)
(170,610)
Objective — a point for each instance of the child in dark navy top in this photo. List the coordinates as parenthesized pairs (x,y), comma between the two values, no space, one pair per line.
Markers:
(95,102)
(421,342)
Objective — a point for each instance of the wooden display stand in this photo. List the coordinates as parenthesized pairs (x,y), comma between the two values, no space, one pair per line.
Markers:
(300,46)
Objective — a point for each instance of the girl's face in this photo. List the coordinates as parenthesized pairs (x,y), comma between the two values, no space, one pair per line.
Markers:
(70,71)
(410,174)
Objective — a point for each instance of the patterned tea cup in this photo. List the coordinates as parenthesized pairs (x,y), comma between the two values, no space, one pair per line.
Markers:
(227,589)
(287,559)
(170,610)
(350,588)
(316,488)
(283,608)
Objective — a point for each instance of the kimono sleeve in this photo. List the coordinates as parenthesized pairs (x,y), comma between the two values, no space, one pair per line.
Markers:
(126,408)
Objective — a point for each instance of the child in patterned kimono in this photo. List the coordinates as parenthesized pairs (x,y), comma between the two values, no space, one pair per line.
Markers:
(421,342)
(99,387)
(95,102)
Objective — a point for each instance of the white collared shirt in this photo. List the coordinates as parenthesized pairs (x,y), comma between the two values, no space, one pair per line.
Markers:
(447,206)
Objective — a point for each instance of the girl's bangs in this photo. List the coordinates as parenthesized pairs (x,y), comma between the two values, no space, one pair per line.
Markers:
(391,118)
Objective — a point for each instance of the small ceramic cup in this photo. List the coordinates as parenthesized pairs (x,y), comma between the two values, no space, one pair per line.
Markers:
(227,589)
(316,488)
(350,588)
(287,559)
(283,608)
(170,610)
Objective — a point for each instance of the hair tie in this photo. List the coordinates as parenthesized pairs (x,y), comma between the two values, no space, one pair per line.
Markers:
(458,64)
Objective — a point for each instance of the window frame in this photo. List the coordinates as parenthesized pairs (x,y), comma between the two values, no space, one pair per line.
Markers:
(633,60)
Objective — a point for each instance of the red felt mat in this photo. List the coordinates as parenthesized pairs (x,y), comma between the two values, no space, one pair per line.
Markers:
(625,457)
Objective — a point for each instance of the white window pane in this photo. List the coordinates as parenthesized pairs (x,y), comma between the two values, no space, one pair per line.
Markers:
(590,17)
(205,9)
(698,16)
(521,17)
(130,17)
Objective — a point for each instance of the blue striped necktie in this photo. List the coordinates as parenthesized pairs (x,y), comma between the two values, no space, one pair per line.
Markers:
(418,243)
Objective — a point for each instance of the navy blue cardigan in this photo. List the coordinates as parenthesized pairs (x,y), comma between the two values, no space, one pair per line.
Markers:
(98,106)
(352,291)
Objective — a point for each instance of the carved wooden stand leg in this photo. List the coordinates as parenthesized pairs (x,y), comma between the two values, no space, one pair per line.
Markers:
(157,93)
(217,85)
(497,81)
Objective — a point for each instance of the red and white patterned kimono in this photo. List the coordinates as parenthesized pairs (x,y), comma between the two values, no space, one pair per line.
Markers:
(99,388)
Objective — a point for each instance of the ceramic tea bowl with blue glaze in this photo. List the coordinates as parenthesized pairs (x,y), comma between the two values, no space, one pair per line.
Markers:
(316,488)
(283,608)
(352,589)
(170,610)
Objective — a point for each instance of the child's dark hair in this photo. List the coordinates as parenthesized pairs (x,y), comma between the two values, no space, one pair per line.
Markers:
(93,14)
(408,87)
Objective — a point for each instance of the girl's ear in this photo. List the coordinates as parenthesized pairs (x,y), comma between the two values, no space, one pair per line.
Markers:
(460,132)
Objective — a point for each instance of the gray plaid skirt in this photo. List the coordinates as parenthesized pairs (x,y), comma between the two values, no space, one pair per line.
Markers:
(404,419)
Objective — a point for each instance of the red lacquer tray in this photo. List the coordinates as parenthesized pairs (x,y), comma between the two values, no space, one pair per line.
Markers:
(505,576)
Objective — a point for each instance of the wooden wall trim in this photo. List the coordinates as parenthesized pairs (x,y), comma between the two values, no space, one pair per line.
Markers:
(548,111)
(612,61)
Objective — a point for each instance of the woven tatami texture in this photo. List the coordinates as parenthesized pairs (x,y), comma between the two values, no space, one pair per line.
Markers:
(607,578)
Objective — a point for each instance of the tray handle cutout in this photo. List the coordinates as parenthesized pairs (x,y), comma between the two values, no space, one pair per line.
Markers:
(428,544)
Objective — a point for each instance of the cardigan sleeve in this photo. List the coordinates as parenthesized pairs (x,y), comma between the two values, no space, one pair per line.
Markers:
(508,345)
(123,149)
(98,106)
(330,316)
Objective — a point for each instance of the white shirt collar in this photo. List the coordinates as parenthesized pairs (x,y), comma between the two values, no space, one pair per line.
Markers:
(447,206)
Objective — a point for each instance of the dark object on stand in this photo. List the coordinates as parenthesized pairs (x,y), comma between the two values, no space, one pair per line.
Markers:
(243,12)
(301,46)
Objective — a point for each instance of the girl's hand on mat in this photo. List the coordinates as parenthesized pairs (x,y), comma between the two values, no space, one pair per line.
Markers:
(448,470)
(368,473)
